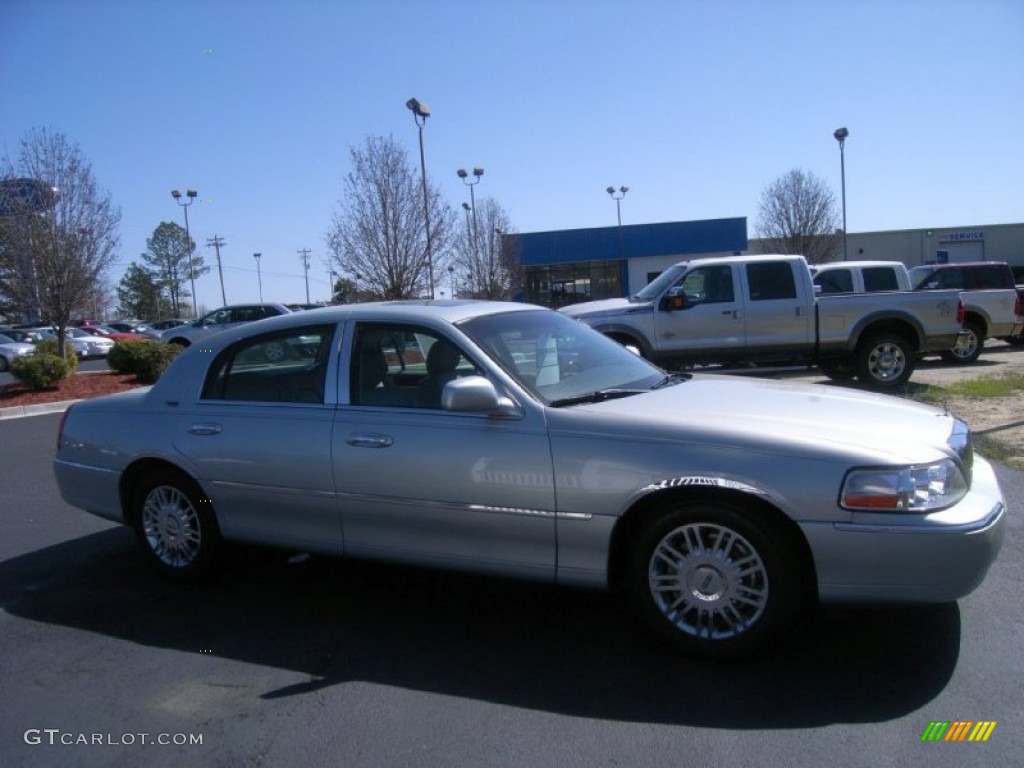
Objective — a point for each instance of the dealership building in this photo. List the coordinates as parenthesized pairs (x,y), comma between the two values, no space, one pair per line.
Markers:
(567,266)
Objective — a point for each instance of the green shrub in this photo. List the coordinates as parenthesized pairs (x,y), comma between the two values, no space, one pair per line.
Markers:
(125,356)
(144,358)
(49,347)
(40,371)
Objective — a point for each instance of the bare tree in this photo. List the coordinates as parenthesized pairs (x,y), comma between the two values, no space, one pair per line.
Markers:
(798,215)
(379,236)
(486,270)
(54,260)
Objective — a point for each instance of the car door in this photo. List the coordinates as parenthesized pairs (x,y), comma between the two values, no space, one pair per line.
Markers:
(711,318)
(779,316)
(259,437)
(417,483)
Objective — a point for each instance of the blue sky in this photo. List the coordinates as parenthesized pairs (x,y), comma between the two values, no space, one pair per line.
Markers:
(696,106)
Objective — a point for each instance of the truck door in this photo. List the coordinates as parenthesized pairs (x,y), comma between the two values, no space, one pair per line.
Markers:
(711,317)
(779,311)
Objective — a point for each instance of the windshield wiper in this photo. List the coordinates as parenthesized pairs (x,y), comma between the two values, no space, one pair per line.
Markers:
(596,397)
(671,379)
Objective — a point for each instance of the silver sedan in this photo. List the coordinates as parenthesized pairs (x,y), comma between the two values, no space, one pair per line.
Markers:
(508,439)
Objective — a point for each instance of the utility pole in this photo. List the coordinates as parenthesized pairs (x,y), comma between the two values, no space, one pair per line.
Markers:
(304,253)
(216,242)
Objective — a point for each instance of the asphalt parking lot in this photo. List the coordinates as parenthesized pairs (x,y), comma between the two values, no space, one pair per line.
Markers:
(288,661)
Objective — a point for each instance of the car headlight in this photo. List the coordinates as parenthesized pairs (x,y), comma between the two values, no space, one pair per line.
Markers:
(923,488)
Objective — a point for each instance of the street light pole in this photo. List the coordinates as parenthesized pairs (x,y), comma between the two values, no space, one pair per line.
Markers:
(617,199)
(477,173)
(191,195)
(420,113)
(840,135)
(259,276)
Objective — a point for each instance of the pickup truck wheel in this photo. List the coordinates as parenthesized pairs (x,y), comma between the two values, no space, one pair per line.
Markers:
(175,526)
(885,360)
(712,581)
(971,350)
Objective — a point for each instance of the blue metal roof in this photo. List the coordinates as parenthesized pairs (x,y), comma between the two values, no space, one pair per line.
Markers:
(637,240)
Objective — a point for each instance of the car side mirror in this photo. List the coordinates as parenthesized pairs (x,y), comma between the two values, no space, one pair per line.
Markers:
(476,394)
(674,300)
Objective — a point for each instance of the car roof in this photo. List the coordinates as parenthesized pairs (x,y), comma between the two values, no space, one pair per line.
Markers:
(426,312)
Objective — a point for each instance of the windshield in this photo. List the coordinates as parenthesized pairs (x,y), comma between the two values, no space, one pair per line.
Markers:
(556,358)
(918,276)
(660,284)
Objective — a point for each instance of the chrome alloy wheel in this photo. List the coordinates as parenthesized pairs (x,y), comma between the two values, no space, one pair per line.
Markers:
(171,526)
(887,361)
(708,581)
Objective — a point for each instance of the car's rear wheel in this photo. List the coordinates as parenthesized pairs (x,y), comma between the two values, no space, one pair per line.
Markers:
(713,579)
(175,525)
(885,360)
(971,350)
(3,364)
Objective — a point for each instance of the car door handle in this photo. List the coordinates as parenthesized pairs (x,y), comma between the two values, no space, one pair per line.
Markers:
(368,440)
(205,429)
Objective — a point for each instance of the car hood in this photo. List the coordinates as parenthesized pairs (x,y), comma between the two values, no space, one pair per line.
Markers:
(601,307)
(746,412)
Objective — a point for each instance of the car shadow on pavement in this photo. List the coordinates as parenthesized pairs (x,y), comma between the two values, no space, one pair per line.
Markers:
(567,651)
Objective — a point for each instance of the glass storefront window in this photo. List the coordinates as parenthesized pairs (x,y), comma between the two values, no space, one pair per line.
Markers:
(560,284)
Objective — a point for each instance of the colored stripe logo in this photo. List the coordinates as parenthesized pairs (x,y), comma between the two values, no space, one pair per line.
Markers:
(958,730)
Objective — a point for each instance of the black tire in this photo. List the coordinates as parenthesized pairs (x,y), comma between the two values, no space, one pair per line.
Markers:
(885,360)
(712,580)
(971,351)
(175,525)
(3,364)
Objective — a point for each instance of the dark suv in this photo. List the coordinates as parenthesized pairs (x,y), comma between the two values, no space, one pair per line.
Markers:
(220,320)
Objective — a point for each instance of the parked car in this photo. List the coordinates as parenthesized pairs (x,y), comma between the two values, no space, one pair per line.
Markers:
(26,335)
(220,320)
(11,350)
(1018,338)
(860,277)
(124,326)
(86,344)
(507,439)
(764,309)
(992,308)
(111,333)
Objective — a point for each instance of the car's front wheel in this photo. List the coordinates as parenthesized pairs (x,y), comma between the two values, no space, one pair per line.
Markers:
(175,525)
(713,579)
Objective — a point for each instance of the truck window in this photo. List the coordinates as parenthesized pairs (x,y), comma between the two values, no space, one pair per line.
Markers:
(709,285)
(835,281)
(771,280)
(880,279)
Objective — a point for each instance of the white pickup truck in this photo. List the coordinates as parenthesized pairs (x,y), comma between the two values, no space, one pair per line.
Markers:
(764,309)
(992,308)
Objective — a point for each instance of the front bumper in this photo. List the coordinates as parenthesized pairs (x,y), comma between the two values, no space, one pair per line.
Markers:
(932,558)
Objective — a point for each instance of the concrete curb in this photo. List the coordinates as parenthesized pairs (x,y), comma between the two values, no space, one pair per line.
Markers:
(21,411)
